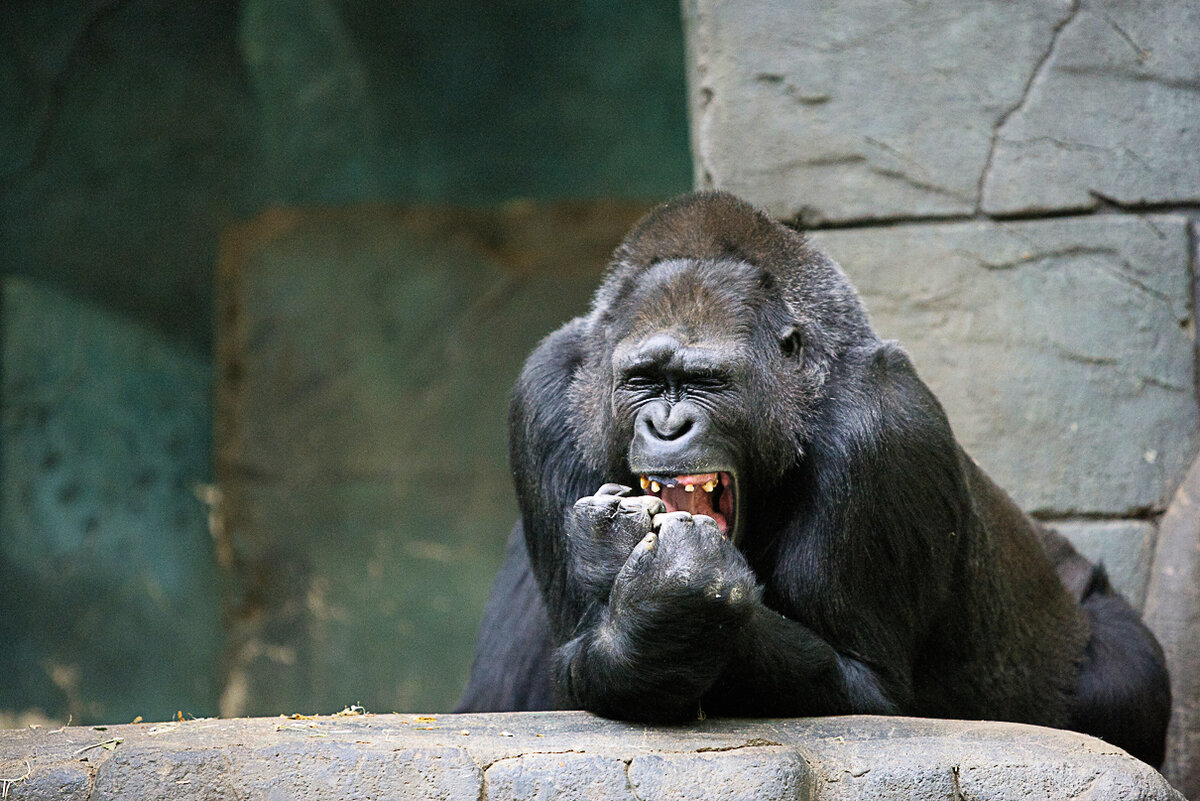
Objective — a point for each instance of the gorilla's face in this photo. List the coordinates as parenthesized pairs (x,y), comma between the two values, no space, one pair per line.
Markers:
(705,383)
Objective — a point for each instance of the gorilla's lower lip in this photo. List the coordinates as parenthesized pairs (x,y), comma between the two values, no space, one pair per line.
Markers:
(710,494)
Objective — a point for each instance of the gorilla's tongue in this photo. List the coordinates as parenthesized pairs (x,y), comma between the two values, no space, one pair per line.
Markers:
(694,494)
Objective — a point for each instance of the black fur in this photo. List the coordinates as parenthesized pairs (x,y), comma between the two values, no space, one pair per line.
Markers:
(872,566)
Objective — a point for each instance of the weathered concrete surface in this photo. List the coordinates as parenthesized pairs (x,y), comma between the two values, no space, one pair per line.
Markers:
(861,109)
(569,755)
(365,361)
(1112,113)
(1061,349)
(1173,614)
(1124,547)
(109,599)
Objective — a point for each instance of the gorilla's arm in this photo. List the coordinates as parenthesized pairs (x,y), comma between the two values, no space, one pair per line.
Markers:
(511,670)
(547,470)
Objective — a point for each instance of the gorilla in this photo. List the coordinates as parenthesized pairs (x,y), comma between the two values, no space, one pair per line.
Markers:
(806,537)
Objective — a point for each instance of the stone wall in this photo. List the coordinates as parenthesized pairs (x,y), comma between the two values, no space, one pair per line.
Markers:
(1013,188)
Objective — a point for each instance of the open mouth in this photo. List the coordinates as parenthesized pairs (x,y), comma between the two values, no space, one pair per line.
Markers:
(710,494)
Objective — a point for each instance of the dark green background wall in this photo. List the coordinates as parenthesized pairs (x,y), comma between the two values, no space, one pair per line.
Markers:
(132,133)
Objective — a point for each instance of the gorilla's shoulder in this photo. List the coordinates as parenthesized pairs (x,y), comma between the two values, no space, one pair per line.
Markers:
(556,358)
(877,397)
(887,372)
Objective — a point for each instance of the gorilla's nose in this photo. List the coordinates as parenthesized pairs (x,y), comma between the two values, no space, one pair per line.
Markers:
(666,423)
(668,434)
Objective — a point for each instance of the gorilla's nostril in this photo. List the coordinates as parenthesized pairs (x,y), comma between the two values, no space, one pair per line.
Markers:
(673,430)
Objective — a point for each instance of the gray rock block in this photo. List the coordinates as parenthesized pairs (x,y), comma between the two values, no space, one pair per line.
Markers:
(753,773)
(548,777)
(109,598)
(1124,547)
(1113,113)
(1061,349)
(132,774)
(1173,614)
(63,782)
(857,109)
(886,759)
(575,755)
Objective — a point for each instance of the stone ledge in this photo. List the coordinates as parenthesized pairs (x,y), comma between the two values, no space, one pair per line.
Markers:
(567,755)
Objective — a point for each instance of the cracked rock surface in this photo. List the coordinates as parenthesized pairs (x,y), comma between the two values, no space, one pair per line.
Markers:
(864,110)
(857,109)
(1112,116)
(1074,334)
(545,755)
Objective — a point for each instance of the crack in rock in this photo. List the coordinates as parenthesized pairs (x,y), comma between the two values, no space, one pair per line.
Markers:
(488,766)
(754,742)
(1179,84)
(900,175)
(1034,74)
(1142,53)
(1036,257)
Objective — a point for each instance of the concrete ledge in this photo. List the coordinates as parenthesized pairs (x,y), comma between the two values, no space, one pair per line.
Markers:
(567,755)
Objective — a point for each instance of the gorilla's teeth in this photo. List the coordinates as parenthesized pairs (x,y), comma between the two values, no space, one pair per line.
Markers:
(654,486)
(709,486)
(689,487)
(645,482)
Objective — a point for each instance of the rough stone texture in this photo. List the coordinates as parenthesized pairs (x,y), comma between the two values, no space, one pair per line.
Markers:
(749,772)
(874,758)
(541,777)
(1112,114)
(365,362)
(861,109)
(1173,613)
(857,109)
(109,600)
(571,755)
(1124,547)
(1061,349)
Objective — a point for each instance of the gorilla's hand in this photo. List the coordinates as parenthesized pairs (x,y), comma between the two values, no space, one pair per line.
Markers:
(684,577)
(602,530)
(677,604)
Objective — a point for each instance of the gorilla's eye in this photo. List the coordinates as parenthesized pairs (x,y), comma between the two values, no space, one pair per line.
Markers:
(641,383)
(791,343)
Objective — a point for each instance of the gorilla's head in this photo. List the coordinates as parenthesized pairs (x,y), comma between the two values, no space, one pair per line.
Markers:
(712,337)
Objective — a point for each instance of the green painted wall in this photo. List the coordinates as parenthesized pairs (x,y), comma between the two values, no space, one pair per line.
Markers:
(132,133)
